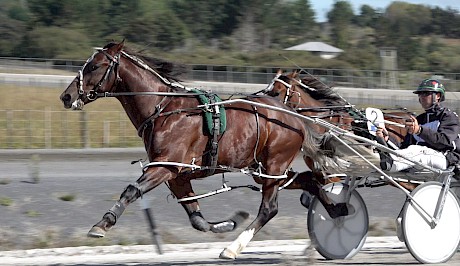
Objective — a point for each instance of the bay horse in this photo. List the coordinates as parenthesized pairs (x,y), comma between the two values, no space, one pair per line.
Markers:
(319,102)
(170,121)
(311,97)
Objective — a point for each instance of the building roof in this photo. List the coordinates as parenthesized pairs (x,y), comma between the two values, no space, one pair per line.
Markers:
(316,47)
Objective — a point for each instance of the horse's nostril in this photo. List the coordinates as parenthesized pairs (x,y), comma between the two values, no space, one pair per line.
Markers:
(66,98)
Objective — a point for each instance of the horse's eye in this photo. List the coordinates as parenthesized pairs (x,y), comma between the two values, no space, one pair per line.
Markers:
(94,67)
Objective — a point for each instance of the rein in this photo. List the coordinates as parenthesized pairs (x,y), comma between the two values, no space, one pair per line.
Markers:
(115,94)
(94,94)
(115,61)
(323,108)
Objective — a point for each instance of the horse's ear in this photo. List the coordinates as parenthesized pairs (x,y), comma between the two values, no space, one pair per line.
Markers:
(294,74)
(120,45)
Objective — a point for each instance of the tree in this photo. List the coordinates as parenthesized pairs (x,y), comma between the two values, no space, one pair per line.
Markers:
(363,55)
(252,32)
(51,12)
(412,54)
(367,18)
(54,42)
(296,23)
(444,22)
(407,19)
(208,19)
(164,31)
(12,32)
(340,18)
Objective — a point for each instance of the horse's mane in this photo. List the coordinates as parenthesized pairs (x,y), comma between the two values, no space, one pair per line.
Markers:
(167,69)
(321,91)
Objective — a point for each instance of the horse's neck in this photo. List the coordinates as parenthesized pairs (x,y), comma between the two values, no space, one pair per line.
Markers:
(140,108)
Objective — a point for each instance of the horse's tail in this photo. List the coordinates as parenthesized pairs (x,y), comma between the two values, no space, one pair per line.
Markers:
(315,147)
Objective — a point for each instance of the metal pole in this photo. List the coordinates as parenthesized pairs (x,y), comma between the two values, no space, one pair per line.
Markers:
(153,228)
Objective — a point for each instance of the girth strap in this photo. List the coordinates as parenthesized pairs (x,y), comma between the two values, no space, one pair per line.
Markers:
(214,140)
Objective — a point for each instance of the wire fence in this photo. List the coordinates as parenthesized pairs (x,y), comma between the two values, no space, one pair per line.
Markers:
(48,129)
(51,129)
(352,78)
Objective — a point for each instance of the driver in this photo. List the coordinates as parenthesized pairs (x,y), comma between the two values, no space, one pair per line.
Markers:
(433,136)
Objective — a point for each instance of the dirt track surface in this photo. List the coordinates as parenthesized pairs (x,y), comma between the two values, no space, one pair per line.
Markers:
(376,251)
(38,215)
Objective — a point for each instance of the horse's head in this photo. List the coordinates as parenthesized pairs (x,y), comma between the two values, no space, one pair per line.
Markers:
(285,87)
(98,75)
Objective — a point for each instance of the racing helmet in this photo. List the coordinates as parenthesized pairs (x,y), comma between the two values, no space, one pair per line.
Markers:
(431,85)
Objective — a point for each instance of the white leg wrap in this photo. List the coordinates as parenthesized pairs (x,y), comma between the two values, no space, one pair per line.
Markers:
(239,244)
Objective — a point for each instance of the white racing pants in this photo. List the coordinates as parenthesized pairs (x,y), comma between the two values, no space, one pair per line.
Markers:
(421,154)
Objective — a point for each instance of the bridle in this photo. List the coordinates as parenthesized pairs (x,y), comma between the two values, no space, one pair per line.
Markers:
(290,92)
(113,66)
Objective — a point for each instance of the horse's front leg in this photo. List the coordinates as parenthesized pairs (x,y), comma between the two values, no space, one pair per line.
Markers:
(151,178)
(182,189)
(268,209)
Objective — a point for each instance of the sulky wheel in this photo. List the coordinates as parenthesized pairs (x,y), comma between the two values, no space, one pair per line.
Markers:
(427,244)
(342,237)
(455,187)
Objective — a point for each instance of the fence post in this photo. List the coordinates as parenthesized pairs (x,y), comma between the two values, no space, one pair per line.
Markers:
(29,144)
(106,134)
(47,127)
(9,128)
(84,130)
(65,130)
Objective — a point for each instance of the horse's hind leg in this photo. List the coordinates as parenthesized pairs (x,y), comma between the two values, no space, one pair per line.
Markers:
(268,209)
(310,183)
(150,179)
(182,188)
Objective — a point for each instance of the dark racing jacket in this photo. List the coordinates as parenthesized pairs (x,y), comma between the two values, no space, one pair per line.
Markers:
(440,131)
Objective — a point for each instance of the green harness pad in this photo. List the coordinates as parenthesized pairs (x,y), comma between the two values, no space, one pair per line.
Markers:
(206,98)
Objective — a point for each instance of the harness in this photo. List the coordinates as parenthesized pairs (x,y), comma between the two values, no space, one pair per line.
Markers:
(214,118)
(215,123)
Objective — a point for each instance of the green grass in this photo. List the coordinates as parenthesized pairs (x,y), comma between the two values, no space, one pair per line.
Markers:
(68,197)
(32,213)
(5,181)
(4,201)
(35,118)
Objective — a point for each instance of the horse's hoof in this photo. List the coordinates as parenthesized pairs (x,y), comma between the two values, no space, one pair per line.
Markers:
(305,199)
(231,224)
(96,232)
(199,223)
(340,209)
(227,254)
(239,217)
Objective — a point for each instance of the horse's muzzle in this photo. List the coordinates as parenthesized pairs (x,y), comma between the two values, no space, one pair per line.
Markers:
(75,105)
(65,98)
(78,105)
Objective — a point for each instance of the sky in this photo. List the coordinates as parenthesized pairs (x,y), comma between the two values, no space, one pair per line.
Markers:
(322,7)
